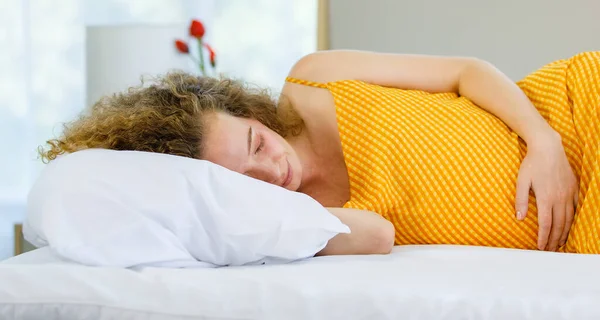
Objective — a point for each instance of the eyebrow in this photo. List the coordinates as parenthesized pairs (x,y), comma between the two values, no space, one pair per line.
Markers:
(249,139)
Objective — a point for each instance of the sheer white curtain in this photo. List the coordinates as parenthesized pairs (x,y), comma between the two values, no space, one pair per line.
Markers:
(42,65)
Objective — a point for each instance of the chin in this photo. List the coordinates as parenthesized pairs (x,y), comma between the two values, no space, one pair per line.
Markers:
(293,186)
(296,181)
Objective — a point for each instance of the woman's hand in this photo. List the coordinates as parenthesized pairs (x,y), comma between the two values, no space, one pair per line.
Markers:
(547,171)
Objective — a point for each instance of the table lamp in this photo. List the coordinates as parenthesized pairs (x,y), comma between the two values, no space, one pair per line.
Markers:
(117,57)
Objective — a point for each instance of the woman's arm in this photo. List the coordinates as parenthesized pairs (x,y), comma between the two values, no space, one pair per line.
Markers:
(475,79)
(370,234)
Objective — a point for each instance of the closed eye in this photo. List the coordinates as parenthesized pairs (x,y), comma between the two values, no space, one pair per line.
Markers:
(260,145)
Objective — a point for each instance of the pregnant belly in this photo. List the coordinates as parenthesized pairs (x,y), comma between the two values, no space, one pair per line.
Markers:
(475,209)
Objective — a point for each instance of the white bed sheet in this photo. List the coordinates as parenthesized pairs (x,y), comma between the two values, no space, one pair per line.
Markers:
(414,282)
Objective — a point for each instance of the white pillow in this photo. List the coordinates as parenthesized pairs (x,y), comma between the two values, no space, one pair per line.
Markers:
(130,209)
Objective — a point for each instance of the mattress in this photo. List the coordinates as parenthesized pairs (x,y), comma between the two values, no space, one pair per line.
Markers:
(414,282)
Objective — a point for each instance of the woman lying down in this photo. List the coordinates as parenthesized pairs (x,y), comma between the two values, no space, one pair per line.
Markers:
(404,149)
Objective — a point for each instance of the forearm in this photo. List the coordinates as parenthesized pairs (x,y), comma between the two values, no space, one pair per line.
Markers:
(370,234)
(494,92)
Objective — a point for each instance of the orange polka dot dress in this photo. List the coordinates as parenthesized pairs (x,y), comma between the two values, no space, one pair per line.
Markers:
(444,170)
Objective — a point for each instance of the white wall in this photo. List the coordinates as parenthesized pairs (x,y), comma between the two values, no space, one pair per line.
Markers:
(518,36)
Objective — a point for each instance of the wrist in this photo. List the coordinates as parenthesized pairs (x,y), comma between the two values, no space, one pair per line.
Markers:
(543,137)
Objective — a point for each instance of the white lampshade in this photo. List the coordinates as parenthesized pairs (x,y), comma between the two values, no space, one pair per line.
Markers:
(117,57)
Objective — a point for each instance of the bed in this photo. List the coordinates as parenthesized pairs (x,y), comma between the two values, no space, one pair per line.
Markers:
(414,282)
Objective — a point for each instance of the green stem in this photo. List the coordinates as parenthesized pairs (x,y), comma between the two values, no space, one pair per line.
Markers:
(196,61)
(201,56)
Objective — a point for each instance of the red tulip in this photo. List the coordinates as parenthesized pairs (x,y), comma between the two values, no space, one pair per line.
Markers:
(197,29)
(211,54)
(181,46)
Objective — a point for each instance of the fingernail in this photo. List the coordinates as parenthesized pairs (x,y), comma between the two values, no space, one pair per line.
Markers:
(519,215)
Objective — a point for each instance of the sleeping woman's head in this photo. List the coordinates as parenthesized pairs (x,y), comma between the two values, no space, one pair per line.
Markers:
(222,121)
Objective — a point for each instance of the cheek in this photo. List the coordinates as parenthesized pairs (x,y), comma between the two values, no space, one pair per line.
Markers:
(276,143)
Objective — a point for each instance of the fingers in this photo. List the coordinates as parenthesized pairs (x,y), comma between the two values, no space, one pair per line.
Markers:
(571,207)
(568,222)
(545,224)
(558,225)
(522,197)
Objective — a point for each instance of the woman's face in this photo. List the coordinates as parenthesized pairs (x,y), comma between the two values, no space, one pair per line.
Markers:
(248,147)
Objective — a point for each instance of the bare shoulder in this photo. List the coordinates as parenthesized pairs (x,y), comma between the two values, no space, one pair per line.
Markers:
(323,66)
(314,104)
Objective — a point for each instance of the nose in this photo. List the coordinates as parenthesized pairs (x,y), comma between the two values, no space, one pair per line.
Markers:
(266,171)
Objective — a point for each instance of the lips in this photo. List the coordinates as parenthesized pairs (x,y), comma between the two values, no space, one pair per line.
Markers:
(288,176)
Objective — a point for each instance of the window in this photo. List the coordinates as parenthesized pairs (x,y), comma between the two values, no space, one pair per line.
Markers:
(42,82)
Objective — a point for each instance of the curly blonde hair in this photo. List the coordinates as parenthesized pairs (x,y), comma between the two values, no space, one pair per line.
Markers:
(168,116)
